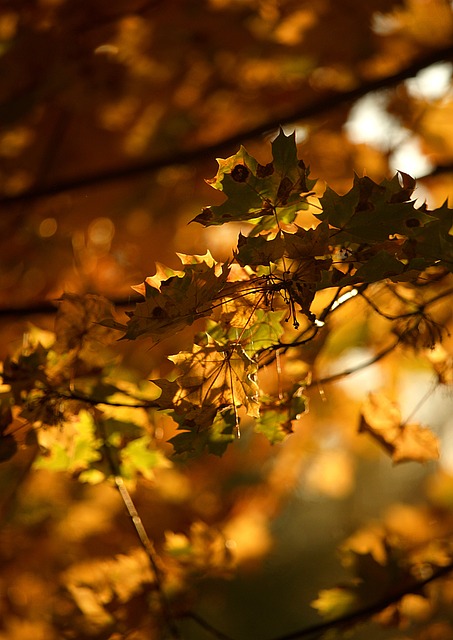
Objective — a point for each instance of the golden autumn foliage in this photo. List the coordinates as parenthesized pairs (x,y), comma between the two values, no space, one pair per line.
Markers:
(225,395)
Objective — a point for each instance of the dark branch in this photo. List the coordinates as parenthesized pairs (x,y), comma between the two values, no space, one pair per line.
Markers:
(49,307)
(135,404)
(316,630)
(323,104)
(207,627)
(349,619)
(439,170)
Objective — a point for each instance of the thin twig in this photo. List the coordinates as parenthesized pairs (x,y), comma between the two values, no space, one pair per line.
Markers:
(74,395)
(418,311)
(143,537)
(347,372)
(318,106)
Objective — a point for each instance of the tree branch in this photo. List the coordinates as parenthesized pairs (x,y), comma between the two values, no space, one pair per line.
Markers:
(323,104)
(316,630)
(137,404)
(207,627)
(51,306)
(347,372)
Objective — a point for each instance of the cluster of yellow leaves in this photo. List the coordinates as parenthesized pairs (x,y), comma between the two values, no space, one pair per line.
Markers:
(95,584)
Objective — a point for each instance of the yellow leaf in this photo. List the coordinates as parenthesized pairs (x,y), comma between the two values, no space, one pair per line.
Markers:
(369,540)
(381,419)
(415,443)
(335,602)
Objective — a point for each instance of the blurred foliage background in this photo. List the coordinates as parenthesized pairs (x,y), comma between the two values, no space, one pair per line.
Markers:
(111,117)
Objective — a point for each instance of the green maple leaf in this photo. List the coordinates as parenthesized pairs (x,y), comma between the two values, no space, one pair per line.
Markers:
(254,251)
(63,451)
(138,456)
(263,192)
(265,331)
(372,212)
(193,441)
(276,416)
(272,424)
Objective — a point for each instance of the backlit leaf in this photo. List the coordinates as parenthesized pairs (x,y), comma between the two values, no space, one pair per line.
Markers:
(372,212)
(336,602)
(381,418)
(138,456)
(254,192)
(214,437)
(72,449)
(213,375)
(258,250)
(176,302)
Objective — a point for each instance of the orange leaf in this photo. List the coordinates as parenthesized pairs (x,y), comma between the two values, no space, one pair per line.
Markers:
(381,418)
(415,443)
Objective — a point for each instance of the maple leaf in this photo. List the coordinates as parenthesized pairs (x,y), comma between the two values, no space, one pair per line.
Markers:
(381,418)
(77,322)
(176,302)
(217,375)
(255,191)
(254,251)
(73,449)
(307,242)
(276,416)
(434,241)
(372,212)
(378,267)
(139,456)
(255,331)
(204,429)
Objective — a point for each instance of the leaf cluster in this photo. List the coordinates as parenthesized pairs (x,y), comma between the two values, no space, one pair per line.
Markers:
(278,299)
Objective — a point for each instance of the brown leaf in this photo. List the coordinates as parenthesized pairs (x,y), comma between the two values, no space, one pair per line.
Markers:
(78,321)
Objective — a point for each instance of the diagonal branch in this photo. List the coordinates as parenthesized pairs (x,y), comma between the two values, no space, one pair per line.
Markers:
(353,617)
(323,104)
(349,619)
(216,633)
(363,365)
